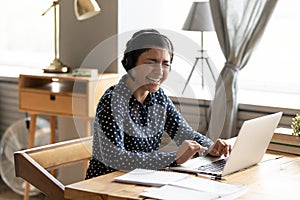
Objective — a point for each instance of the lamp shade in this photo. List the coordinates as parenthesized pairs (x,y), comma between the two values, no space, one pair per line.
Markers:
(199,18)
(85,9)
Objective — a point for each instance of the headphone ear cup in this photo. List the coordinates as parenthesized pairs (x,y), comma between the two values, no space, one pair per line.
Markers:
(125,63)
(130,63)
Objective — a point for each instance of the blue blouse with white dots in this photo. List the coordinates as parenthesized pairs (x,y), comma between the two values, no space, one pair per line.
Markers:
(128,134)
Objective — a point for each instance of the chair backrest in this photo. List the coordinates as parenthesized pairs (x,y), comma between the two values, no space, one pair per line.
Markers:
(34,165)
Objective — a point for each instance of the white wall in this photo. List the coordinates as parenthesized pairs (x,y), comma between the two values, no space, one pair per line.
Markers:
(79,38)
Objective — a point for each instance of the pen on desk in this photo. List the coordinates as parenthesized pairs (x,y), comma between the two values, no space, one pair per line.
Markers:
(213,177)
(218,178)
(270,159)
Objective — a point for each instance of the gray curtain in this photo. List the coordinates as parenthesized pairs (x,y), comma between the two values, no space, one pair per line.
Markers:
(239,25)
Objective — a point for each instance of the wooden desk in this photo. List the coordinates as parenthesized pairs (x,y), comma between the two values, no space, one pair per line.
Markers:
(271,179)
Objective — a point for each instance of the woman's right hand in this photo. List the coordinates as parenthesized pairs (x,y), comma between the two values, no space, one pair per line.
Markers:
(187,150)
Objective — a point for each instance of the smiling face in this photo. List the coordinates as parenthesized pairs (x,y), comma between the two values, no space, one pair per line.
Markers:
(152,69)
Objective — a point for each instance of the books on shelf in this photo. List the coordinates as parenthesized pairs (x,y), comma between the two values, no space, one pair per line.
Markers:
(284,148)
(284,136)
(85,72)
(284,141)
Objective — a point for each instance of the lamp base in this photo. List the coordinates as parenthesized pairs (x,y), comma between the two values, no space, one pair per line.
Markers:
(56,67)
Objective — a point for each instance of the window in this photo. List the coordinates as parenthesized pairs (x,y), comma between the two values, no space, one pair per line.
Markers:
(272,73)
(26,36)
(277,56)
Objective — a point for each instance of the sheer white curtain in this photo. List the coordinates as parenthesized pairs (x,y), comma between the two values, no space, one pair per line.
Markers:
(239,25)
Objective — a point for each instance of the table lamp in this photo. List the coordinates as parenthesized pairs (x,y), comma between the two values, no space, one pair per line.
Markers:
(199,19)
(84,9)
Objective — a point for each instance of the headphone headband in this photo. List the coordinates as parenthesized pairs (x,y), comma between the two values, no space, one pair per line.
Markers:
(138,35)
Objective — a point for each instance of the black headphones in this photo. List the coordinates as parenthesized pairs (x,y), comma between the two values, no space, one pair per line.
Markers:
(133,48)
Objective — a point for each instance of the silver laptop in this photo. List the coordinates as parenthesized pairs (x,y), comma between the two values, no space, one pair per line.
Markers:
(248,149)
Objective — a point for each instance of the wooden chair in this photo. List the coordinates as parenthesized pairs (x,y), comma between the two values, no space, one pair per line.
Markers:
(35,165)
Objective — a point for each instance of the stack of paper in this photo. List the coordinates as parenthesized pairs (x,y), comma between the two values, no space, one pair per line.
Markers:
(151,177)
(174,185)
(195,188)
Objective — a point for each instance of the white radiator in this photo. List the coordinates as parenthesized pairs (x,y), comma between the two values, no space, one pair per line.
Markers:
(190,111)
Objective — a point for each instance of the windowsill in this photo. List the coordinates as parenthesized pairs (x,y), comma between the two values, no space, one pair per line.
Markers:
(14,72)
(270,99)
(258,98)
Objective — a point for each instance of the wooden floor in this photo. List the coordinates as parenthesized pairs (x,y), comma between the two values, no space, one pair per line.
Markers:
(7,194)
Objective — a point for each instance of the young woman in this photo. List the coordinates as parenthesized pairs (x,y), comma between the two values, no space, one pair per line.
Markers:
(133,115)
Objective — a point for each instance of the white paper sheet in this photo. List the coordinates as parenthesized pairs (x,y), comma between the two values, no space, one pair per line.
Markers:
(196,188)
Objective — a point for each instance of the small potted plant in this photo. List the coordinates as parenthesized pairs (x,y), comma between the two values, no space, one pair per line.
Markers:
(296,125)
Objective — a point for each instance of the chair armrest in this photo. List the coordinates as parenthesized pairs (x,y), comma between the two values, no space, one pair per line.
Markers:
(33,165)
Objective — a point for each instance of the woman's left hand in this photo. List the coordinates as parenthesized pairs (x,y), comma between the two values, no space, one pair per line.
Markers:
(220,148)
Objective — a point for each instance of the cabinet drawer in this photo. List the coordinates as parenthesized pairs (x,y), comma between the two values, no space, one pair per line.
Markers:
(53,103)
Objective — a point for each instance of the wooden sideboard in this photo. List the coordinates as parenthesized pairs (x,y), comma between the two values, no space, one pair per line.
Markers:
(62,94)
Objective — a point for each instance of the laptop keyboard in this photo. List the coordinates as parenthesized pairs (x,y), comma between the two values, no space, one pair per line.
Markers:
(216,166)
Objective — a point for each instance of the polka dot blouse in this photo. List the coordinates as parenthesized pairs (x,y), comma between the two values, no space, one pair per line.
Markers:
(128,134)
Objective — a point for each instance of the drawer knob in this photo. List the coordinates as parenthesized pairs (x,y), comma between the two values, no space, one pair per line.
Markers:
(52,97)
